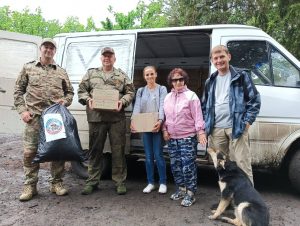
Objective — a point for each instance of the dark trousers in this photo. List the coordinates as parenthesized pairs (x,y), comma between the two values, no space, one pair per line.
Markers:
(98,133)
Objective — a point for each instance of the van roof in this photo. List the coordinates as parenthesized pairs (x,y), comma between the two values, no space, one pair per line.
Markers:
(164,29)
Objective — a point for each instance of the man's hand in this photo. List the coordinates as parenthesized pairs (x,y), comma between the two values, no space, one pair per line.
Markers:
(61,101)
(247,126)
(26,116)
(90,103)
(120,105)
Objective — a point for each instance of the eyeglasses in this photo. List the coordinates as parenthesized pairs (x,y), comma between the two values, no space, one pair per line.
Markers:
(175,80)
(149,74)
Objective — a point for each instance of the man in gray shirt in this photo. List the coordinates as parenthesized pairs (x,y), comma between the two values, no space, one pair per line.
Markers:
(230,105)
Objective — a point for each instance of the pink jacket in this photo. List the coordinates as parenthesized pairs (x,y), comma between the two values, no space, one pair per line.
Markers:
(183,114)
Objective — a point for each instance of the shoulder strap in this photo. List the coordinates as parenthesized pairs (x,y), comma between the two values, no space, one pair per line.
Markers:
(142,90)
(159,91)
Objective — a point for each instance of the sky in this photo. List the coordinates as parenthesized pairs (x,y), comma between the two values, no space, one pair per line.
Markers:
(61,9)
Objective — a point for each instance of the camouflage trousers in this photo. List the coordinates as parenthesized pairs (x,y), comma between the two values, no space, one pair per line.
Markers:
(237,150)
(183,153)
(97,137)
(30,144)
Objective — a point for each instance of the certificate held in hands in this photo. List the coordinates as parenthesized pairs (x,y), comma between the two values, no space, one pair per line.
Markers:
(144,122)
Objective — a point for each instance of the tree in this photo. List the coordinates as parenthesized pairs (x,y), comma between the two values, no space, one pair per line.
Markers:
(72,24)
(107,24)
(279,18)
(143,16)
(152,15)
(90,25)
(6,21)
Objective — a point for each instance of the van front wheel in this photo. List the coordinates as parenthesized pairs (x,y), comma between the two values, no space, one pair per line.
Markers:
(294,170)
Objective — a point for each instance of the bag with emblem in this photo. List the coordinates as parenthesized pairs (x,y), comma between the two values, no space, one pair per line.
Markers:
(59,139)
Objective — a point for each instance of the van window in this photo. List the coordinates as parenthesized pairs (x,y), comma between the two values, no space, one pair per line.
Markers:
(18,52)
(80,56)
(252,55)
(285,74)
(274,70)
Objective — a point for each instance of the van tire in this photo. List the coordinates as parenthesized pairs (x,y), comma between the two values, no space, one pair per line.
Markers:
(294,170)
(80,168)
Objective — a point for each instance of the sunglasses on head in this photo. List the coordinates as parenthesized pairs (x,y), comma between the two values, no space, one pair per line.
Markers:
(177,79)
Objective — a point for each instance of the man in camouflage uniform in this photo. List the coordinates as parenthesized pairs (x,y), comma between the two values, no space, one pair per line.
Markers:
(40,84)
(103,122)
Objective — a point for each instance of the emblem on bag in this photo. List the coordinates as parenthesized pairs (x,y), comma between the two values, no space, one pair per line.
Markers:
(54,127)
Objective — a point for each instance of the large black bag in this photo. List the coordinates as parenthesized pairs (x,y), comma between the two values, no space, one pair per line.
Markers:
(64,149)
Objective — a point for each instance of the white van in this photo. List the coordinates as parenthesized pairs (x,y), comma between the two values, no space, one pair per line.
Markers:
(275,135)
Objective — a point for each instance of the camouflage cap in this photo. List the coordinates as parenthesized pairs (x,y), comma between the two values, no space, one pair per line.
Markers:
(107,50)
(49,40)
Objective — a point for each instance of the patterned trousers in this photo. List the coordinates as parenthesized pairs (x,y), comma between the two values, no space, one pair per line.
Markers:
(183,153)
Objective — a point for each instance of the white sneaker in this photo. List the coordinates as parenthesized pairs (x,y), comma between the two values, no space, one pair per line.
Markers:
(149,188)
(162,189)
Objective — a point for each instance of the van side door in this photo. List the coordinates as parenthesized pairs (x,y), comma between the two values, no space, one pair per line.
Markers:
(83,52)
(15,50)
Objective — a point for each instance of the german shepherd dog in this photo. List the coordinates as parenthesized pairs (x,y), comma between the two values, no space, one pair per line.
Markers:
(237,189)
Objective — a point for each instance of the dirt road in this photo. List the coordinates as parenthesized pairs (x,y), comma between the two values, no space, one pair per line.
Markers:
(105,207)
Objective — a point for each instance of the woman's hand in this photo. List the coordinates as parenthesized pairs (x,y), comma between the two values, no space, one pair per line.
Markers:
(157,126)
(166,135)
(202,138)
(132,128)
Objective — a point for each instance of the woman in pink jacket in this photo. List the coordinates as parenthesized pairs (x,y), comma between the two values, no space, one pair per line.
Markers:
(183,129)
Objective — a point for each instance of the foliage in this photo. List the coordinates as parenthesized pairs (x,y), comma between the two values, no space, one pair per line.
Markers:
(279,18)
(72,24)
(91,26)
(143,16)
(33,23)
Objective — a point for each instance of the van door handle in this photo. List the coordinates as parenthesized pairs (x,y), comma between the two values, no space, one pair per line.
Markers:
(2,90)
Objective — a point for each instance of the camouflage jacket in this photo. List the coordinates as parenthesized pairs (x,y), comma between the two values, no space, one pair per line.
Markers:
(39,86)
(95,79)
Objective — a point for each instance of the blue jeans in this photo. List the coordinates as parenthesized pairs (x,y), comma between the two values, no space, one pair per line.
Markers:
(153,149)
